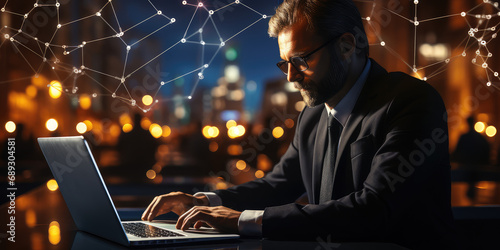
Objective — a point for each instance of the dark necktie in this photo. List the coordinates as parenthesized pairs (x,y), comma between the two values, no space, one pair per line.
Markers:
(333,135)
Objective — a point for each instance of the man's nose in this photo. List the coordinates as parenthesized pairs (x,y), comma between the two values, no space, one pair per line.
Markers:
(293,75)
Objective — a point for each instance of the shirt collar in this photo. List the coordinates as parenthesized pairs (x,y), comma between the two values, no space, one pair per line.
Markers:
(344,108)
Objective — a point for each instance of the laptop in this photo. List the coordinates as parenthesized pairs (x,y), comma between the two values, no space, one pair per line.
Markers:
(90,204)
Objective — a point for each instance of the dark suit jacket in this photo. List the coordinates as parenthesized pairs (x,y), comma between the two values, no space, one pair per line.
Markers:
(392,182)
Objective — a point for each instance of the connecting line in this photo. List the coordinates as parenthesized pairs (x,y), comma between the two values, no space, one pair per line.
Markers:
(436,18)
(102,73)
(398,56)
(15,41)
(190,21)
(13,44)
(250,8)
(171,80)
(140,23)
(224,7)
(125,64)
(243,29)
(397,14)
(77,20)
(15,80)
(151,33)
(215,26)
(116,17)
(154,58)
(153,5)
(415,39)
(98,83)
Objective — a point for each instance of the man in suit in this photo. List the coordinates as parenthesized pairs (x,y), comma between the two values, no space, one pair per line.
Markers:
(370,150)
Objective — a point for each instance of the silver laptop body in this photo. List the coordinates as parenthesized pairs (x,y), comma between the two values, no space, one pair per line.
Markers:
(90,204)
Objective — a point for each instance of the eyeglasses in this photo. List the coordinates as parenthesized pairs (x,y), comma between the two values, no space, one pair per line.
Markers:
(299,62)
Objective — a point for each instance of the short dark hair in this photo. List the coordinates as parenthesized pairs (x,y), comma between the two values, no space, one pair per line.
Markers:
(327,18)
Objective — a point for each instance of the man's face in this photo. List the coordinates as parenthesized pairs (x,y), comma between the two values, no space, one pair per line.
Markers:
(325,75)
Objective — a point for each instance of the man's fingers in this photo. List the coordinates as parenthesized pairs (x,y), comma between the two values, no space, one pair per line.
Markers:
(193,218)
(148,209)
(163,203)
(181,219)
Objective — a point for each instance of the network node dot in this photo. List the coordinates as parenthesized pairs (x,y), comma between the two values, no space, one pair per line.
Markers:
(189,97)
(3,9)
(485,65)
(464,54)
(498,14)
(476,30)
(58,5)
(210,12)
(202,42)
(478,52)
(490,55)
(495,4)
(36,5)
(416,23)
(483,43)
(200,30)
(159,12)
(494,36)
(144,110)
(264,16)
(488,84)
(474,60)
(463,14)
(122,80)
(12,39)
(183,40)
(488,17)
(415,2)
(425,79)
(128,47)
(172,20)
(415,70)
(492,28)
(94,95)
(75,70)
(205,66)
(65,52)
(19,31)
(113,95)
(53,67)
(82,67)
(162,83)
(495,74)
(59,26)
(44,59)
(382,43)
(156,101)
(237,1)
(222,44)
(36,38)
(200,4)
(447,60)
(66,90)
(80,46)
(74,90)
(133,102)
(25,16)
(98,14)
(57,61)
(36,75)
(368,18)
(6,36)
(46,44)
(184,2)
(478,16)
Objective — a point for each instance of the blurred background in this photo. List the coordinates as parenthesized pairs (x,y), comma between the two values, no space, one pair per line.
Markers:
(213,110)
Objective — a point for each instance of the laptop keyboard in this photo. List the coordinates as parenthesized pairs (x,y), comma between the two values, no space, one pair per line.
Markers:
(147,231)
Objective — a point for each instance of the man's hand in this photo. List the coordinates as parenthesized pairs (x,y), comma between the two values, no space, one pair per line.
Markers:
(176,202)
(221,218)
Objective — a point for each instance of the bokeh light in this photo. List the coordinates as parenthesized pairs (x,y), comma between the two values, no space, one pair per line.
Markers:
(51,124)
(55,89)
(52,185)
(10,126)
(81,127)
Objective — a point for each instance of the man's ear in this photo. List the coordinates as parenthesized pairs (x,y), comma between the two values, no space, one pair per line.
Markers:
(347,43)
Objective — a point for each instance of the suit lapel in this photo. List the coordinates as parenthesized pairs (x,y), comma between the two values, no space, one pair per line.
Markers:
(362,107)
(319,154)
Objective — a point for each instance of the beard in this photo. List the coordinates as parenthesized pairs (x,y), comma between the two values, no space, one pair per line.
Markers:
(318,92)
